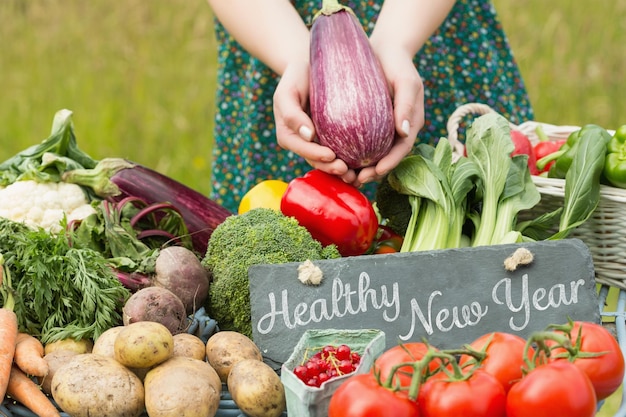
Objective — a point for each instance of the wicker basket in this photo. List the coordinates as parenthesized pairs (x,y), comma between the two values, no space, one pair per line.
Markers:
(604,232)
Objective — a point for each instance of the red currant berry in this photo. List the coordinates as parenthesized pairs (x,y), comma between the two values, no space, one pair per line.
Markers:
(301,372)
(312,368)
(345,366)
(328,351)
(323,377)
(313,382)
(343,352)
(324,366)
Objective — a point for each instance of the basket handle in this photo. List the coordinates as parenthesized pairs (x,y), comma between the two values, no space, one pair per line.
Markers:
(455,118)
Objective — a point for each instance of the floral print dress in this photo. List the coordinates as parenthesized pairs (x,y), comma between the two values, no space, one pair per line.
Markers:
(467,60)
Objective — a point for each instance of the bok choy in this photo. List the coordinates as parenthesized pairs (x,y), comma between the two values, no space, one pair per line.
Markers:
(472,201)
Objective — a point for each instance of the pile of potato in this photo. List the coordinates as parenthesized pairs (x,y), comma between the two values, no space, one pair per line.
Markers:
(142,368)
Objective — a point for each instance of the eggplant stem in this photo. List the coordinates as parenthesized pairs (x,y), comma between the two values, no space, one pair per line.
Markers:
(330,7)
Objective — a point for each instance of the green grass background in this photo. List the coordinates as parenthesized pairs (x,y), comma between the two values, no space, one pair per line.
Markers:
(139,75)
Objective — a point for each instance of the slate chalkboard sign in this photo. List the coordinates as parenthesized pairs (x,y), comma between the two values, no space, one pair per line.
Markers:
(449,297)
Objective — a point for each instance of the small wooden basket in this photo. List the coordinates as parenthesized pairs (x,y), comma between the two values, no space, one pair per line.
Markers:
(604,232)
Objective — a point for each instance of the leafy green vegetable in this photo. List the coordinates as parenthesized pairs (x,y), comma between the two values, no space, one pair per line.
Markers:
(46,161)
(520,193)
(477,199)
(474,200)
(393,207)
(130,232)
(582,182)
(581,194)
(462,176)
(60,291)
(429,194)
(489,145)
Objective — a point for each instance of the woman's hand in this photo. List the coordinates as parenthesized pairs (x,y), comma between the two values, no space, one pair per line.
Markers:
(295,131)
(407,92)
(294,127)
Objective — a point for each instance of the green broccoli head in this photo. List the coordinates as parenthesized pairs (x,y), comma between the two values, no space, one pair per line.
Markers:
(259,236)
(393,207)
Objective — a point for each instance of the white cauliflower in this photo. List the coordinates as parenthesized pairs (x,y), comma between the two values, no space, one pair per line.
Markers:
(44,204)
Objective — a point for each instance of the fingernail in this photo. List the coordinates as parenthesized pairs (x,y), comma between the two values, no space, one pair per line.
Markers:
(406,127)
(305,132)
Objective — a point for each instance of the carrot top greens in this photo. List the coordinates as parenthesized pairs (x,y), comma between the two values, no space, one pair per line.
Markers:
(59,291)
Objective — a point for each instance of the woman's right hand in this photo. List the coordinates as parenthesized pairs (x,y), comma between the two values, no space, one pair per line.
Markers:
(294,128)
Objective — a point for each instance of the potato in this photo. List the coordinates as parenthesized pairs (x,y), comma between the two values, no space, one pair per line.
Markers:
(94,385)
(104,344)
(256,389)
(78,346)
(143,344)
(56,359)
(224,349)
(182,386)
(189,345)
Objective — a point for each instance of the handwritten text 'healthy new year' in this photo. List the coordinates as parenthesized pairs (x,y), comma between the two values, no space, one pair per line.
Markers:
(346,300)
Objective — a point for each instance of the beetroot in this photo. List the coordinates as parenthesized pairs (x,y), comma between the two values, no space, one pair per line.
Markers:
(179,270)
(156,304)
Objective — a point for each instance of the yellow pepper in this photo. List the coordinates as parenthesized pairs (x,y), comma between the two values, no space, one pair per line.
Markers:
(266,194)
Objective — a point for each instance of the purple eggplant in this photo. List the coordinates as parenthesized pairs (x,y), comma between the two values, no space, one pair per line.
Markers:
(350,103)
(114,179)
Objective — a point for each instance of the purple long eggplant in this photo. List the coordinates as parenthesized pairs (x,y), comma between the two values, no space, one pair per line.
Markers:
(114,179)
(350,103)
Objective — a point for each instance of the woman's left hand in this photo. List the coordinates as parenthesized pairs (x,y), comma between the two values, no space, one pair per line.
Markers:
(407,91)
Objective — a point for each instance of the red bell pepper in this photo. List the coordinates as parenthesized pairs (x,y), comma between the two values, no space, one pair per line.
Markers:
(333,211)
(525,147)
(546,147)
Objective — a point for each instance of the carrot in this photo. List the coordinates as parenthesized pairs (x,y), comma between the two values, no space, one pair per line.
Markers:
(8,330)
(29,355)
(8,334)
(25,391)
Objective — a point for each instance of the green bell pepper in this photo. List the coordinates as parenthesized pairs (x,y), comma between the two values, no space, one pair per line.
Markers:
(615,162)
(565,155)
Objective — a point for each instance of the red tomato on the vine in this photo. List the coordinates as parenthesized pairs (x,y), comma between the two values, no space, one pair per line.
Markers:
(505,356)
(362,396)
(605,371)
(554,389)
(406,352)
(480,395)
